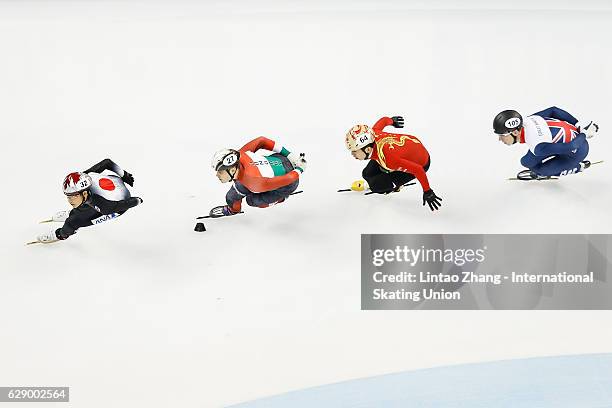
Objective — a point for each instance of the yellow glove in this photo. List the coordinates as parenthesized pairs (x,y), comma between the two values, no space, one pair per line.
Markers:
(359,185)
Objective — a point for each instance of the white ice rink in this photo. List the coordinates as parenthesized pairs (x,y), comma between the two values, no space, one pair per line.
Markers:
(145,312)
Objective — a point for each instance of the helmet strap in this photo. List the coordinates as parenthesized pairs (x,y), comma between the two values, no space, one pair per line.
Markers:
(231,176)
(516,139)
(82,193)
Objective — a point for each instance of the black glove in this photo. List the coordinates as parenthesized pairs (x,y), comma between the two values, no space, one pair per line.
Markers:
(128,178)
(398,121)
(432,199)
(59,235)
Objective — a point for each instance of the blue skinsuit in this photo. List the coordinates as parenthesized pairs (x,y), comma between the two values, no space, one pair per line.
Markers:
(554,159)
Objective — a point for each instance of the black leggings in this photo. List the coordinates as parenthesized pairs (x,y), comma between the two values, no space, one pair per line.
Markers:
(381,181)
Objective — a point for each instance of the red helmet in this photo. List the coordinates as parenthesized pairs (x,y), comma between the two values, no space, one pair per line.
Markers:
(76,182)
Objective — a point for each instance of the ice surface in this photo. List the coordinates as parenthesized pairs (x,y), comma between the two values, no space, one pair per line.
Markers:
(550,382)
(143,311)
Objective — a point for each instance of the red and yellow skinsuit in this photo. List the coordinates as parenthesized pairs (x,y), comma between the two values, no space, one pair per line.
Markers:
(398,152)
(265,179)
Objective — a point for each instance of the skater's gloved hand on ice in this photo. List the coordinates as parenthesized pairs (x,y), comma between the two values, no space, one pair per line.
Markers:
(432,199)
(128,178)
(589,128)
(47,238)
(298,161)
(60,216)
(398,121)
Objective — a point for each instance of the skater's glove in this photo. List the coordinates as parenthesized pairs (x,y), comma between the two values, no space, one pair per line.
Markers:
(298,161)
(294,158)
(432,199)
(128,178)
(47,238)
(589,128)
(60,216)
(398,121)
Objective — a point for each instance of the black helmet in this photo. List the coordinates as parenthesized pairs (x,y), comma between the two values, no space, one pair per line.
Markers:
(507,121)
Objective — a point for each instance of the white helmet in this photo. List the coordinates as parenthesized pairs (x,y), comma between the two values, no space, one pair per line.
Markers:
(224,159)
(358,137)
(77,182)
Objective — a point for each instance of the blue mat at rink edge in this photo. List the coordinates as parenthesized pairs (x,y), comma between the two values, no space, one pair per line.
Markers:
(567,381)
